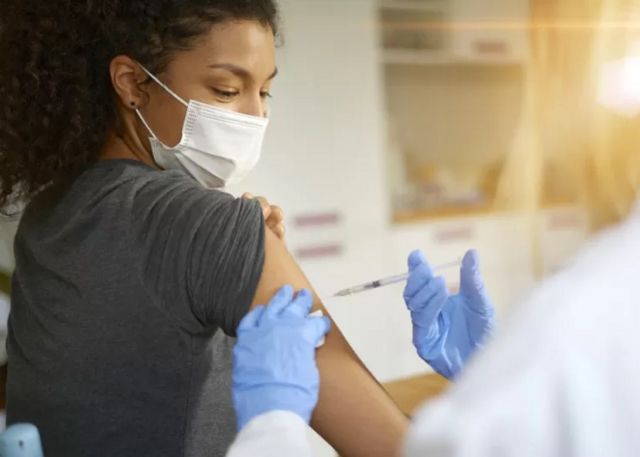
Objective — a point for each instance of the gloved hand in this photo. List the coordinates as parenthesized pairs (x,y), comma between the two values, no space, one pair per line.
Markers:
(274,364)
(447,330)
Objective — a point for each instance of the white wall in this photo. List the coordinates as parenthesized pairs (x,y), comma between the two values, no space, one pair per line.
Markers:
(324,148)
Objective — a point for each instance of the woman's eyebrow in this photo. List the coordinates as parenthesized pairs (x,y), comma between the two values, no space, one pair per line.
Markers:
(239,71)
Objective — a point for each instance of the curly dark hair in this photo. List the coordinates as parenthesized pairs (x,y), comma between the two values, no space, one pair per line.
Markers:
(57,98)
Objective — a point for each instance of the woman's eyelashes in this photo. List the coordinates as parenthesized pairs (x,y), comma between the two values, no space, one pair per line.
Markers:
(226,94)
(229,95)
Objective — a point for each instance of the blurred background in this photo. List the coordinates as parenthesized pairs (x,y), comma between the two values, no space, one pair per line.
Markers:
(443,125)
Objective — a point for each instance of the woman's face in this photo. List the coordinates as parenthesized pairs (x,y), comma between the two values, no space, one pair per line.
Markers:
(231,67)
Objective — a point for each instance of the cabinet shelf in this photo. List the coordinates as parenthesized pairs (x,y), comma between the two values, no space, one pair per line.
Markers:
(452,212)
(426,58)
(416,57)
(439,58)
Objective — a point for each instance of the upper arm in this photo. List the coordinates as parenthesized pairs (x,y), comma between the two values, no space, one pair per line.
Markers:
(207,257)
(202,253)
(354,414)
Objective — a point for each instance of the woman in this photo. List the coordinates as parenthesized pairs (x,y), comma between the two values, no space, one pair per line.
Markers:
(129,272)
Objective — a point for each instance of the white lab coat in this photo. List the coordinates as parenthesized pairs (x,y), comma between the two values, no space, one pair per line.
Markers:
(275,434)
(562,377)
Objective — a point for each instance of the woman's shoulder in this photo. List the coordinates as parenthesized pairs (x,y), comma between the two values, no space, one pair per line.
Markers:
(124,176)
(162,198)
(120,190)
(133,183)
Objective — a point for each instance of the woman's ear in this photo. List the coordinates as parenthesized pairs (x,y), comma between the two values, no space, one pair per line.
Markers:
(128,80)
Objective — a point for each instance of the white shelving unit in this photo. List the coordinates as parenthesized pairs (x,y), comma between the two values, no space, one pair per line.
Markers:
(490,31)
(447,64)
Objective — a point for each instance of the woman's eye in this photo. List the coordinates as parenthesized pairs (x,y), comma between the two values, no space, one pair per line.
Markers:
(225,93)
(266,94)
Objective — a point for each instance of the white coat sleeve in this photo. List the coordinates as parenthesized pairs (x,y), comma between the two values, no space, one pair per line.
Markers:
(275,434)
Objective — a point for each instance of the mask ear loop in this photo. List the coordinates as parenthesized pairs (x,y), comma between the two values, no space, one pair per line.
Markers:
(164,86)
(153,135)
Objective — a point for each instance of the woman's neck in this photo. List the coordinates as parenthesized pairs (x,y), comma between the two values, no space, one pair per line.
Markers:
(118,147)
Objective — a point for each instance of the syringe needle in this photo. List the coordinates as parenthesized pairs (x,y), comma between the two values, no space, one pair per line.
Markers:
(387,281)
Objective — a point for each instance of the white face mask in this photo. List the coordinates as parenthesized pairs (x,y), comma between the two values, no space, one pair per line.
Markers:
(218,147)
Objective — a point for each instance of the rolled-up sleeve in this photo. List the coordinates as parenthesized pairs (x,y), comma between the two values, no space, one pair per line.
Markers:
(202,253)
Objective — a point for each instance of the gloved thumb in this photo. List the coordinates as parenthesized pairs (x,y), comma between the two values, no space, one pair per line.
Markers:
(417,258)
(252,319)
(471,283)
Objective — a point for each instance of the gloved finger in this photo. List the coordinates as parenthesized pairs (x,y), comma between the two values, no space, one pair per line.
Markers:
(318,328)
(426,297)
(418,279)
(426,316)
(471,282)
(300,306)
(471,260)
(251,320)
(280,301)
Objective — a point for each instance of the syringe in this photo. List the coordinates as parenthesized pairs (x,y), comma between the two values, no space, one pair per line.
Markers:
(388,281)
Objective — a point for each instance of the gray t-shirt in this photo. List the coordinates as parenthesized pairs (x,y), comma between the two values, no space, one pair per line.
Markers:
(124,277)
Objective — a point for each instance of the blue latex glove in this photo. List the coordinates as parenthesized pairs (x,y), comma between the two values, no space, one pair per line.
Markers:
(275,358)
(447,330)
